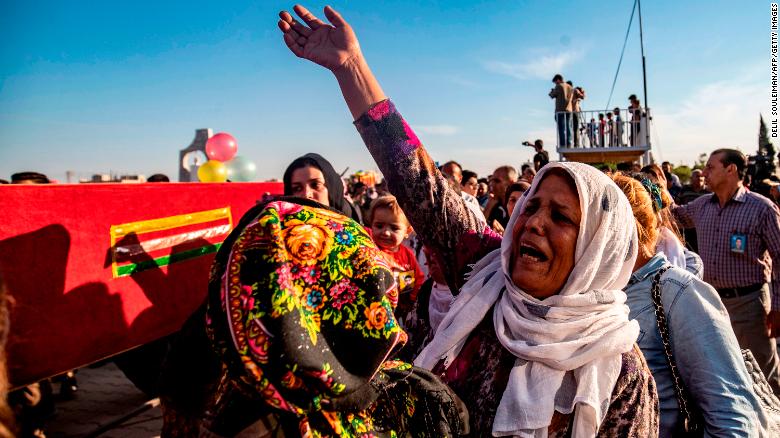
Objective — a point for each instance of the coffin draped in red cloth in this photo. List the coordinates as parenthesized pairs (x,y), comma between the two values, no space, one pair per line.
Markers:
(97,269)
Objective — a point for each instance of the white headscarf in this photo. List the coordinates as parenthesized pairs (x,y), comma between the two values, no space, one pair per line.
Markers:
(439,304)
(568,346)
(670,245)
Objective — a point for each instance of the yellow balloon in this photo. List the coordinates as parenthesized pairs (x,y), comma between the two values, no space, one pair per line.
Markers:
(212,171)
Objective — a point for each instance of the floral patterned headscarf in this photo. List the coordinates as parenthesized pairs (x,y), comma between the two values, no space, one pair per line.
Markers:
(301,311)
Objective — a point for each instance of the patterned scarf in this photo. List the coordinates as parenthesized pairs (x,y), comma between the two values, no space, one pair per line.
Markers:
(301,313)
(568,346)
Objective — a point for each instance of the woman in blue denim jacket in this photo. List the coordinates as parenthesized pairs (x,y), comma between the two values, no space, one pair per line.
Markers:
(708,356)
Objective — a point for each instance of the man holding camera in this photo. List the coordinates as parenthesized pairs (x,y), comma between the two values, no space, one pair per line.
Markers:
(563,94)
(541,157)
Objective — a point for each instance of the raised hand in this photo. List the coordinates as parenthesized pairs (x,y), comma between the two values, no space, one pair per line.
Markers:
(332,46)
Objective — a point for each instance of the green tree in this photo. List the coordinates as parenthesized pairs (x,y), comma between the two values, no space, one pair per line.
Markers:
(683,172)
(701,161)
(764,145)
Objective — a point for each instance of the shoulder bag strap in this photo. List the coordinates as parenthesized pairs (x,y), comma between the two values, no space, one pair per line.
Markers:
(663,328)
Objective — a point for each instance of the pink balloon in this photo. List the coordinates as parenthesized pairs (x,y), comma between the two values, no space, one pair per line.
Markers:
(221,147)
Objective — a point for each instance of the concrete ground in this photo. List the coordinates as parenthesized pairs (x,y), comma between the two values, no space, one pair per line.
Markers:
(107,405)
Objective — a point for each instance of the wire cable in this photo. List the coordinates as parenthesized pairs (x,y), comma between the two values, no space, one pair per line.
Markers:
(623,51)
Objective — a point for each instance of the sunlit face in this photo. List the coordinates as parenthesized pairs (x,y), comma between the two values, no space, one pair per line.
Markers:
(498,183)
(309,182)
(470,186)
(388,229)
(545,237)
(715,174)
(528,175)
(454,171)
(482,189)
(511,202)
(697,180)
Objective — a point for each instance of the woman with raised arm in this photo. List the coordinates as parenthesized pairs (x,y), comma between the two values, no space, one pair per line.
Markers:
(538,342)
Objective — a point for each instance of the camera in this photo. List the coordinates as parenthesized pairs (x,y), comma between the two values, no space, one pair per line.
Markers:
(760,167)
(527,143)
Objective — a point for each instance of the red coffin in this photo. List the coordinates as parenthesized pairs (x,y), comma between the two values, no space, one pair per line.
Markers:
(96,269)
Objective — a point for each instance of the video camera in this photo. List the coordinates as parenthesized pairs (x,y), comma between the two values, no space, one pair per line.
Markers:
(761,167)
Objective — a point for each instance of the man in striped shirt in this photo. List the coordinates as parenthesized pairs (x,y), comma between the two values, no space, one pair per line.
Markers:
(739,236)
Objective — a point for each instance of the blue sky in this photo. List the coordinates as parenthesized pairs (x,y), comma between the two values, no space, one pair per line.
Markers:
(122,86)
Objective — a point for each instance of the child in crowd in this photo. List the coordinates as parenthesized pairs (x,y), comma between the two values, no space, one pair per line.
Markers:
(389,228)
(602,130)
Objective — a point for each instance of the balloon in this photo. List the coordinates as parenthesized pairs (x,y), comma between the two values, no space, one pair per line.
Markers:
(241,169)
(221,147)
(212,171)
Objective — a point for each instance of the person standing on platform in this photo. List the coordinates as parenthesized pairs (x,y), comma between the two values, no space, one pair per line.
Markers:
(618,128)
(738,237)
(635,109)
(577,121)
(563,95)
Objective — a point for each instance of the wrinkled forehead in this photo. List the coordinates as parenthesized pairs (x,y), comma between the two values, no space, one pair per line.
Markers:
(590,185)
(543,176)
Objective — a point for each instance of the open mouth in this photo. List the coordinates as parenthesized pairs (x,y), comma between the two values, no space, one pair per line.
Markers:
(531,253)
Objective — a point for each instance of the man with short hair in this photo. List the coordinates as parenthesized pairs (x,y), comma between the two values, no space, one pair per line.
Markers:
(690,192)
(158,178)
(635,109)
(454,170)
(496,211)
(563,95)
(29,178)
(673,181)
(739,236)
(578,93)
(694,189)
(541,157)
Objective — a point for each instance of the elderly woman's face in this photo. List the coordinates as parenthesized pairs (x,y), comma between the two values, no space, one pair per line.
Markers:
(545,237)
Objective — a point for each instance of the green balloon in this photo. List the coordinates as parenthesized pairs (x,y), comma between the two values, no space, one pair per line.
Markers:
(241,169)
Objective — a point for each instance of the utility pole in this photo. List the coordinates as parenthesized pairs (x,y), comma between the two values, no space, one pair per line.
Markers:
(642,45)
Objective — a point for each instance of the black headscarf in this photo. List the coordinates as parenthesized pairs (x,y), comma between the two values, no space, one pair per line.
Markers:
(333,182)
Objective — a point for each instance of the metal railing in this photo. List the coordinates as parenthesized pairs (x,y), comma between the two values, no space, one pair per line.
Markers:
(624,128)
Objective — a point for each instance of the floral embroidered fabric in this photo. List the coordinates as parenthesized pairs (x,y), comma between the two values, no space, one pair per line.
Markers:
(301,314)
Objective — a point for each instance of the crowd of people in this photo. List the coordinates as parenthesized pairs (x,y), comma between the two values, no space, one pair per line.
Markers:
(560,300)
(567,304)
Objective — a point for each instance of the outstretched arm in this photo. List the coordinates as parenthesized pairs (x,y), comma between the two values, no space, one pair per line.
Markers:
(437,213)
